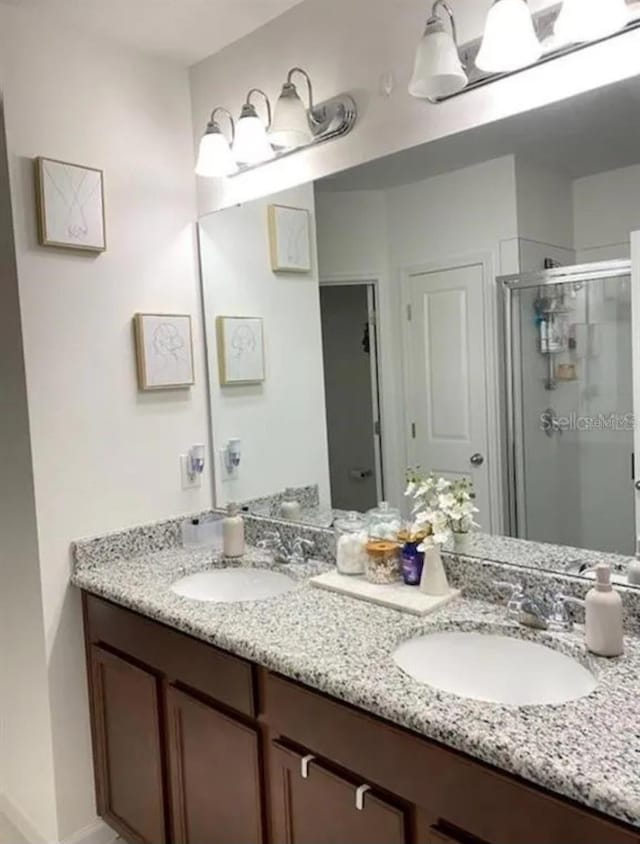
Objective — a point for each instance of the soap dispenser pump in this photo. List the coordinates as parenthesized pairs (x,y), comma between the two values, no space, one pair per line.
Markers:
(603,616)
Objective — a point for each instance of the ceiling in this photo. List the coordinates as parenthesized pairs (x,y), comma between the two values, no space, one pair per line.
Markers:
(185,31)
(588,134)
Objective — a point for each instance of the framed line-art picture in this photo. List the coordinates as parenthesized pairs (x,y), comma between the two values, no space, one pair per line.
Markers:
(289,239)
(164,351)
(70,205)
(240,350)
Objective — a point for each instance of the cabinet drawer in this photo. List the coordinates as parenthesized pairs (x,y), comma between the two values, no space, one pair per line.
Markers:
(465,794)
(313,805)
(217,674)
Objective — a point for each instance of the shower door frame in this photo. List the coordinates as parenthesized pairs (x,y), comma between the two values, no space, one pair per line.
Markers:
(596,271)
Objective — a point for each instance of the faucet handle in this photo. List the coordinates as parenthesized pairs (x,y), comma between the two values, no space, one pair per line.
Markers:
(516,589)
(560,618)
(299,547)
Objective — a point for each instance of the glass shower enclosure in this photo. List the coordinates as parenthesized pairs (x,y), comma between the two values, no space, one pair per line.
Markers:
(569,404)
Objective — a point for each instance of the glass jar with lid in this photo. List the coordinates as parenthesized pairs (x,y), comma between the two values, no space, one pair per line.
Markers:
(384,522)
(351,542)
(383,561)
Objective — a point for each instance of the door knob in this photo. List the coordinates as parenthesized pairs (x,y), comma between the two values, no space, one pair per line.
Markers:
(477,460)
(637,485)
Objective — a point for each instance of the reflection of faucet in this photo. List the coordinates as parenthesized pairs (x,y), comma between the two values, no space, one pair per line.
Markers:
(286,550)
(536,613)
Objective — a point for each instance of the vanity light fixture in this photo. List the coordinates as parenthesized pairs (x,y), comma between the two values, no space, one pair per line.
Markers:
(510,41)
(438,70)
(291,127)
(580,21)
(251,144)
(215,159)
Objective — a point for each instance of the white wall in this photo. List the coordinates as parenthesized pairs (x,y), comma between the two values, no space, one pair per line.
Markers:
(607,209)
(105,456)
(282,422)
(349,47)
(26,758)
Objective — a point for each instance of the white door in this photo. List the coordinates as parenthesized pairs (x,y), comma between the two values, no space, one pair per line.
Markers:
(446,380)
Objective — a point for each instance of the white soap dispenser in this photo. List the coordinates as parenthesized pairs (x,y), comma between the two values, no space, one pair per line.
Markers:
(633,572)
(603,616)
(233,532)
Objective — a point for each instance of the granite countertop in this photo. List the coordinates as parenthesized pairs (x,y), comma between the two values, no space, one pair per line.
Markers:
(588,750)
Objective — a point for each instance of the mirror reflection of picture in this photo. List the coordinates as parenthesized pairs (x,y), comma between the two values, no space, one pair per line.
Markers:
(289,239)
(164,351)
(240,350)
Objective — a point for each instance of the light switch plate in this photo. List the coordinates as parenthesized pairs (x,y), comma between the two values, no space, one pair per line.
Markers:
(188,481)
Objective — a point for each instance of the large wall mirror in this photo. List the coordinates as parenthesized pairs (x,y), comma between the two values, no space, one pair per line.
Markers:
(465,307)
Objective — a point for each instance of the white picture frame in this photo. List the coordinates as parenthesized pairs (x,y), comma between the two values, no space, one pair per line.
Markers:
(240,350)
(289,239)
(164,351)
(70,205)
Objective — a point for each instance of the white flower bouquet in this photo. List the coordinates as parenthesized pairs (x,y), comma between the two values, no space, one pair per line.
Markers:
(441,507)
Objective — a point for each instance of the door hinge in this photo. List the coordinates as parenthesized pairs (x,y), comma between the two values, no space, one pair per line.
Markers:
(376,428)
(413,430)
(409,313)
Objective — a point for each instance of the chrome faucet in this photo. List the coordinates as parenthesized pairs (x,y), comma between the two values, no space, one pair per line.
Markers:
(536,613)
(284,550)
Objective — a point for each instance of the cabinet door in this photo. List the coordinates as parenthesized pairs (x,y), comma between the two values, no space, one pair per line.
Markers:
(215,775)
(321,808)
(128,748)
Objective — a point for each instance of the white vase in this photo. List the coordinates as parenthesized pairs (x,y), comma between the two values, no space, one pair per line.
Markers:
(461,541)
(434,577)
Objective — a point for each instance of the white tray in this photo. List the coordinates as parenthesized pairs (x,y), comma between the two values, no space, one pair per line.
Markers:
(398,596)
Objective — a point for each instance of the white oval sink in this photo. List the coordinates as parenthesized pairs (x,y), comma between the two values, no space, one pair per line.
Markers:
(226,586)
(494,669)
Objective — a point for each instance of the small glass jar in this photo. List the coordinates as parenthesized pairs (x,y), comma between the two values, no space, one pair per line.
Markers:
(383,561)
(290,506)
(351,542)
(384,522)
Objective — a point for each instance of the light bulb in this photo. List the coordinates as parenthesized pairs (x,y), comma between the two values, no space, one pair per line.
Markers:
(290,127)
(214,157)
(437,70)
(251,144)
(589,20)
(510,41)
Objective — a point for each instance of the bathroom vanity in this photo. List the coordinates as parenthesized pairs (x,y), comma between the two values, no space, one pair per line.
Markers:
(287,720)
(194,745)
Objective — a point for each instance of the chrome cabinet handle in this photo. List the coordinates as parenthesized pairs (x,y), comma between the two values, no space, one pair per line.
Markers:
(360,793)
(477,459)
(304,766)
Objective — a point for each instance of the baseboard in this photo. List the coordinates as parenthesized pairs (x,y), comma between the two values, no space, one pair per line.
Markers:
(95,833)
(19,819)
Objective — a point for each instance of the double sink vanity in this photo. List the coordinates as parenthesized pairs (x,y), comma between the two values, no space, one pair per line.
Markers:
(234,703)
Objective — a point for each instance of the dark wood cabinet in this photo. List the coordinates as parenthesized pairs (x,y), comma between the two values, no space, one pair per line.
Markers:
(193,745)
(314,805)
(128,748)
(214,773)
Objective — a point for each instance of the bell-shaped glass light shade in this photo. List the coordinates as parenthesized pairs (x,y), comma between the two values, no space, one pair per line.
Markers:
(251,144)
(510,41)
(437,71)
(214,157)
(588,20)
(290,126)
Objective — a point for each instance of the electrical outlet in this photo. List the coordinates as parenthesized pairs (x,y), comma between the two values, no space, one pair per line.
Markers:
(189,481)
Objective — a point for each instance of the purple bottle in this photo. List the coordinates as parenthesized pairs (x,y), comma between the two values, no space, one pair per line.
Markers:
(412,563)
